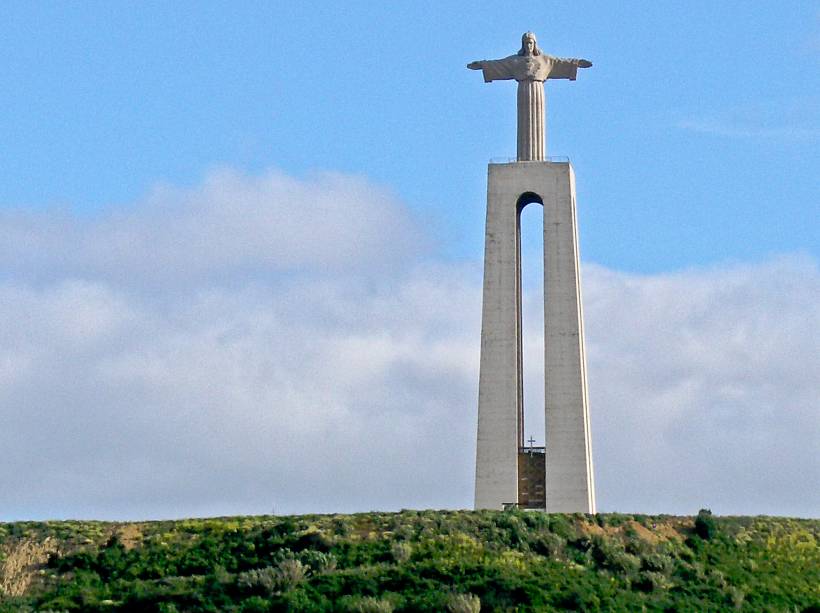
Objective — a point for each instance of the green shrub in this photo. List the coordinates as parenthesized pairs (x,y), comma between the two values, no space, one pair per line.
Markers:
(318,561)
(635,545)
(265,579)
(291,573)
(658,563)
(463,603)
(613,519)
(254,604)
(610,554)
(548,544)
(705,526)
(560,525)
(401,551)
(274,579)
(649,581)
(514,529)
(366,604)
(425,561)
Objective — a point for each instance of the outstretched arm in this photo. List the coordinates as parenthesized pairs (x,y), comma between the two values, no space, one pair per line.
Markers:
(494,70)
(567,68)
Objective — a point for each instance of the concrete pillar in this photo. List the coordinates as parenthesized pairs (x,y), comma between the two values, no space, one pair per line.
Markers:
(569,479)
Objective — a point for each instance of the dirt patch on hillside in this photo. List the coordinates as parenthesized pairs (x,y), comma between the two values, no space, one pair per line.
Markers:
(671,532)
(657,533)
(22,561)
(130,535)
(593,529)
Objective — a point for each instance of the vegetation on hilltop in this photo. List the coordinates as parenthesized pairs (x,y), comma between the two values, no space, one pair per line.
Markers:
(456,561)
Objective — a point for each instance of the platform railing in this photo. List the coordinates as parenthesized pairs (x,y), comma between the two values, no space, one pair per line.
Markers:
(563,159)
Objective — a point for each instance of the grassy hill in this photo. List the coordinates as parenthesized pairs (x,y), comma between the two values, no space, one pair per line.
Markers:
(414,561)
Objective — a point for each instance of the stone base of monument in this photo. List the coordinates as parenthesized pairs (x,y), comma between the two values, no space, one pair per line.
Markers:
(531,479)
(568,477)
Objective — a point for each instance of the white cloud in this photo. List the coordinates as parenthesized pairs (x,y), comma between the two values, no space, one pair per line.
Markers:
(168,361)
(706,386)
(230,227)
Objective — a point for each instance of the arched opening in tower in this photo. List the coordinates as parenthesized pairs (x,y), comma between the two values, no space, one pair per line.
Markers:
(531,383)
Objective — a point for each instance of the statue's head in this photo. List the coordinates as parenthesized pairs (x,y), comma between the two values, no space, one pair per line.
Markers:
(529,46)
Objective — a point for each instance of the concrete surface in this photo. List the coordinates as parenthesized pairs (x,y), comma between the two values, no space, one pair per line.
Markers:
(569,474)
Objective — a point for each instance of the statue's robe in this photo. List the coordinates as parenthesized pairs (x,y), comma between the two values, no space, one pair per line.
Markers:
(530,71)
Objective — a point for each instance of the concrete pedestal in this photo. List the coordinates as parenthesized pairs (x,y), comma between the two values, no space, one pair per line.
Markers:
(569,483)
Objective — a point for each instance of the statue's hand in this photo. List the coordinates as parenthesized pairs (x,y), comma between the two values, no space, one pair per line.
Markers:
(474,66)
(584,63)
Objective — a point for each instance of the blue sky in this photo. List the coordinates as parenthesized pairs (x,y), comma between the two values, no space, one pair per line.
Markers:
(241,251)
(694,136)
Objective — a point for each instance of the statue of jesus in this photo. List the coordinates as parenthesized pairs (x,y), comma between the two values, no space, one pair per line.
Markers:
(530,67)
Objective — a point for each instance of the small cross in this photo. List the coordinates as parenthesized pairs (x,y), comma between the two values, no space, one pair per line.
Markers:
(531,440)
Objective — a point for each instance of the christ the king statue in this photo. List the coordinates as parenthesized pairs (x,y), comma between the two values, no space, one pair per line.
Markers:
(530,67)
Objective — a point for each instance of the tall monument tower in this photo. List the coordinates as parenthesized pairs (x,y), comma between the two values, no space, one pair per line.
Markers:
(557,478)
